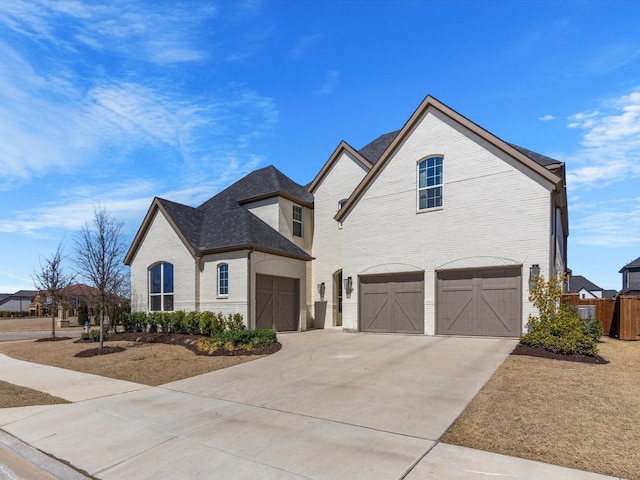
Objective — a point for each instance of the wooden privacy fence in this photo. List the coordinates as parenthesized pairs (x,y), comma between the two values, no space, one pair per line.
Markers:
(619,316)
(626,318)
(605,308)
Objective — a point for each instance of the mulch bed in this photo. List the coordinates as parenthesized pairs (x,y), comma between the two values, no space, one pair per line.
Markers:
(187,341)
(105,350)
(52,339)
(541,352)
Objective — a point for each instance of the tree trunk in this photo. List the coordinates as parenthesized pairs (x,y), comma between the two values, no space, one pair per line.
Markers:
(101,324)
(53,326)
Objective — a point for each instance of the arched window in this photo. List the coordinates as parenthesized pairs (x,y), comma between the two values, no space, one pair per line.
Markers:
(430,183)
(223,280)
(161,287)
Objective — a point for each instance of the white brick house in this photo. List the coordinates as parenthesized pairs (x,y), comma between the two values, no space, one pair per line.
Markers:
(434,229)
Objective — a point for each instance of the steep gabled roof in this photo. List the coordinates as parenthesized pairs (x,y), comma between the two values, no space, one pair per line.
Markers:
(267,182)
(578,282)
(534,164)
(634,264)
(340,149)
(374,150)
(222,223)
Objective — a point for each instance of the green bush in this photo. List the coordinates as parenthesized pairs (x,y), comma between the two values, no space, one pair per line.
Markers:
(93,335)
(593,328)
(558,328)
(235,322)
(232,339)
(565,333)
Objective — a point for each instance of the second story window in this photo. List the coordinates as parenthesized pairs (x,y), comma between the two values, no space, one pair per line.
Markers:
(297,221)
(430,183)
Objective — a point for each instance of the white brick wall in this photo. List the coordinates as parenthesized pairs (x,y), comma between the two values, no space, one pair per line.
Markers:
(494,213)
(237,299)
(340,181)
(162,244)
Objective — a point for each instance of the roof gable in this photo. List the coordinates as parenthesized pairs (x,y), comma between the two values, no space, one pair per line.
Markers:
(534,164)
(633,264)
(578,282)
(335,156)
(223,224)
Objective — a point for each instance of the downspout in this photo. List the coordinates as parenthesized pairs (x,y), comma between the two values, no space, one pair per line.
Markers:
(249,290)
(197,280)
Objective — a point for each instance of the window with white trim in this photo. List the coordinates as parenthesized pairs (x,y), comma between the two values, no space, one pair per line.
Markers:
(223,280)
(430,183)
(161,287)
(297,221)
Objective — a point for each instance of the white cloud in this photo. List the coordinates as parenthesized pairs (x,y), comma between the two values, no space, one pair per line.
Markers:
(546,118)
(611,223)
(610,144)
(147,32)
(332,79)
(304,45)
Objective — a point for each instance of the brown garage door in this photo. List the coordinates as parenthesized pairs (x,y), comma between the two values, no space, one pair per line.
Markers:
(276,303)
(480,302)
(392,303)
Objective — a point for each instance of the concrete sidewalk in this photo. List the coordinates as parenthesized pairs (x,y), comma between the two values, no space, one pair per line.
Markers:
(328,405)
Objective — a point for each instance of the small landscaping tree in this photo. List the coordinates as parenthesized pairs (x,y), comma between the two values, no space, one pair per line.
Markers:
(558,327)
(53,281)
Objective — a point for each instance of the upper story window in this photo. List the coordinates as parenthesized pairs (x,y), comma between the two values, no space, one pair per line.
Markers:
(430,183)
(297,221)
(161,287)
(223,280)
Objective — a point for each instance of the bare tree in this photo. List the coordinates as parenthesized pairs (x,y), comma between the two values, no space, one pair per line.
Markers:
(100,250)
(53,281)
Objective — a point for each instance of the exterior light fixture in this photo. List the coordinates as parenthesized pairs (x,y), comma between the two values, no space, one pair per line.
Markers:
(321,290)
(534,271)
(348,285)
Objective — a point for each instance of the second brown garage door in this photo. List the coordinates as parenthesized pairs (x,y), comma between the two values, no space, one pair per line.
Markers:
(480,302)
(392,303)
(276,303)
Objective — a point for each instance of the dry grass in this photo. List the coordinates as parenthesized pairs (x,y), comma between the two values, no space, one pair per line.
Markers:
(571,414)
(147,363)
(17,396)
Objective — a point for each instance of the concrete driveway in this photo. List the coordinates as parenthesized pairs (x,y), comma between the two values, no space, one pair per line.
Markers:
(328,405)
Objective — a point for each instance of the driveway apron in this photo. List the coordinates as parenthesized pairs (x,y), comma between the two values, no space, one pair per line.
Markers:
(328,405)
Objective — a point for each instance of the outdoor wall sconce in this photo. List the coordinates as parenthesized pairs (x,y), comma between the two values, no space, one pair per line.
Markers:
(534,271)
(348,285)
(321,290)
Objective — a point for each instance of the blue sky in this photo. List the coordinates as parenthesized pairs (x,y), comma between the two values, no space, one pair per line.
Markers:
(112,103)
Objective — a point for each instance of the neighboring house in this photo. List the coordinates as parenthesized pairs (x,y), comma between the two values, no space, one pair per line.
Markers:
(436,228)
(631,278)
(587,289)
(18,302)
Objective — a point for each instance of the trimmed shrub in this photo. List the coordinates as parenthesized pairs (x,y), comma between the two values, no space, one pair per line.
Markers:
(593,328)
(235,322)
(242,339)
(558,328)
(92,335)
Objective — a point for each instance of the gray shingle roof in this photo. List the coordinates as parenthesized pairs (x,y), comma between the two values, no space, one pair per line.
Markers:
(374,150)
(634,264)
(536,157)
(578,282)
(223,224)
